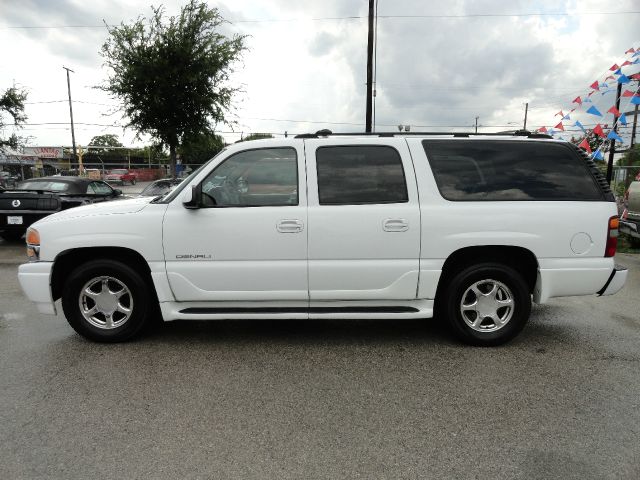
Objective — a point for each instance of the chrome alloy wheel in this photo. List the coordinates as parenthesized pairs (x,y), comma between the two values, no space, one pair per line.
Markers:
(487,305)
(105,302)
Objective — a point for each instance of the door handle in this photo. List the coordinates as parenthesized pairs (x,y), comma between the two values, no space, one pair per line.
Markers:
(290,226)
(395,225)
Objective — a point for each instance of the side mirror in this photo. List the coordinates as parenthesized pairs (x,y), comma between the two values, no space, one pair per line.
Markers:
(117,192)
(191,197)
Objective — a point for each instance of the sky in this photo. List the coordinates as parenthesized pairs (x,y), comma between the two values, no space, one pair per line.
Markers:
(439,65)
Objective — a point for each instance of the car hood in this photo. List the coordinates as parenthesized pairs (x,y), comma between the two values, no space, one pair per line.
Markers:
(117,207)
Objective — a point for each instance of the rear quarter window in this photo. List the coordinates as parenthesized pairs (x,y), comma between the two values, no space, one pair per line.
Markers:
(469,170)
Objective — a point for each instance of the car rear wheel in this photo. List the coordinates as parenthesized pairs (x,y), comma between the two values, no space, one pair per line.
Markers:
(133,181)
(487,304)
(106,301)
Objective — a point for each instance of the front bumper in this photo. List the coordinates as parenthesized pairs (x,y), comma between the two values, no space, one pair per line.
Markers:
(616,281)
(35,280)
(630,228)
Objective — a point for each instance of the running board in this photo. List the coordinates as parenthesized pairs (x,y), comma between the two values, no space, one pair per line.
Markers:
(276,310)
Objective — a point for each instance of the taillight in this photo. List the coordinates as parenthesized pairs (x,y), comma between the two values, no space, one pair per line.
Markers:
(612,237)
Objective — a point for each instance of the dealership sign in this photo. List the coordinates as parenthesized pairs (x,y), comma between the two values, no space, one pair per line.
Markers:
(43,152)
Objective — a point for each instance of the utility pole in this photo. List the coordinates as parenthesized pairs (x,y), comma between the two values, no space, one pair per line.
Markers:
(526,110)
(612,147)
(477,124)
(369,70)
(73,135)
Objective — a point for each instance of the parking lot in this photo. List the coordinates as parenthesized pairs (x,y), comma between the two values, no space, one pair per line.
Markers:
(322,399)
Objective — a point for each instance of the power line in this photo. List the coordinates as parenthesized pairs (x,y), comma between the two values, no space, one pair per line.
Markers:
(362,17)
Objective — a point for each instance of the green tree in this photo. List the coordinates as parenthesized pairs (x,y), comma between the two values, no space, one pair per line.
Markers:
(256,136)
(12,103)
(106,140)
(200,148)
(171,74)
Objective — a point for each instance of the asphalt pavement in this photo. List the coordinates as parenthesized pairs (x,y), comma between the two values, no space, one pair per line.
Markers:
(324,399)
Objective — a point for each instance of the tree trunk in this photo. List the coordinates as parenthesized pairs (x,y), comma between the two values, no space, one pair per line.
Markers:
(172,161)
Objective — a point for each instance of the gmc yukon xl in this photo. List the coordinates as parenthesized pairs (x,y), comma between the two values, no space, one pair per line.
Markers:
(323,225)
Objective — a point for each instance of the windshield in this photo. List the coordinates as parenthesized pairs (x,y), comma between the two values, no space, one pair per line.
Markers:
(118,171)
(50,185)
(157,188)
(168,197)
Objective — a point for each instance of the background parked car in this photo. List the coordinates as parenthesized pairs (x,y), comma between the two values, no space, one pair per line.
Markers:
(36,198)
(120,176)
(630,219)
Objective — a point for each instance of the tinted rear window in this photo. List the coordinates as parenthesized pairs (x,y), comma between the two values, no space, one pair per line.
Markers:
(49,185)
(468,170)
(360,175)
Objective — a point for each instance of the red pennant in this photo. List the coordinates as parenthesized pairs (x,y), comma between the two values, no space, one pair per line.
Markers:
(591,93)
(543,129)
(559,126)
(598,131)
(614,67)
(631,50)
(627,93)
(595,85)
(635,76)
(610,76)
(560,113)
(572,110)
(626,62)
(577,100)
(584,144)
(614,110)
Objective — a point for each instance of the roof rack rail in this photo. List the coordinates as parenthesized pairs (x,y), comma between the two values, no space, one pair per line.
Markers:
(328,133)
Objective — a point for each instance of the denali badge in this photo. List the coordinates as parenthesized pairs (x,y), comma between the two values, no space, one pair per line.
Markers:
(189,256)
(15,203)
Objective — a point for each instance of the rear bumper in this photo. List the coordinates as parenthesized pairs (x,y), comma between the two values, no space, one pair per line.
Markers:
(615,282)
(35,280)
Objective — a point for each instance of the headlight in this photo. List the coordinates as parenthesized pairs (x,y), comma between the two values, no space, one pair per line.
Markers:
(33,244)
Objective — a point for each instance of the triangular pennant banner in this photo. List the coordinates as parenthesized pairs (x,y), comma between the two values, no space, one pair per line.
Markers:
(623,119)
(598,155)
(577,100)
(614,67)
(543,129)
(594,111)
(559,126)
(579,125)
(598,131)
(614,136)
(595,85)
(584,144)
(587,100)
(559,113)
(626,62)
(615,111)
(617,72)
(631,50)
(627,93)
(566,117)
(635,100)
(623,79)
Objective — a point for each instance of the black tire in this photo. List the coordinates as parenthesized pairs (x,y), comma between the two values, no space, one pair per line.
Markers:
(12,236)
(133,181)
(139,295)
(458,286)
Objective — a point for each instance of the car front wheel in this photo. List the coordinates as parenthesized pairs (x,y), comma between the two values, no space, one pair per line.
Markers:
(487,304)
(106,301)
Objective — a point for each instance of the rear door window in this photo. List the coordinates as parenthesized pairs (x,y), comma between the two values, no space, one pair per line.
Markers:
(470,170)
(355,174)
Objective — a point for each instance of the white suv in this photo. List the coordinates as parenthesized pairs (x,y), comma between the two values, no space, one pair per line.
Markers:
(340,226)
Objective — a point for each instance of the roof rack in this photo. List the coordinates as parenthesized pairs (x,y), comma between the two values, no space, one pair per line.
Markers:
(328,133)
